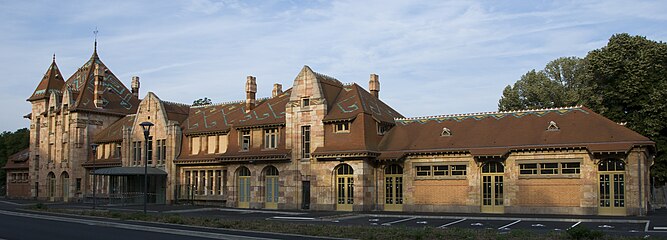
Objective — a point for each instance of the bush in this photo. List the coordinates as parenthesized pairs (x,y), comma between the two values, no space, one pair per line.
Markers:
(580,232)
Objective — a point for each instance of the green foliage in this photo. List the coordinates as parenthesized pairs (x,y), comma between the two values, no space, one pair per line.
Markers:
(557,85)
(10,143)
(625,81)
(580,232)
(201,101)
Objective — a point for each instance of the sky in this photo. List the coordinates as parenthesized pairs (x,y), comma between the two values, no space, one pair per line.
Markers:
(433,57)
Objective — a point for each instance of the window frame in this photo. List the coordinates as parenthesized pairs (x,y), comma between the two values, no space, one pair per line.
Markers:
(541,172)
(442,170)
(245,134)
(271,138)
(342,127)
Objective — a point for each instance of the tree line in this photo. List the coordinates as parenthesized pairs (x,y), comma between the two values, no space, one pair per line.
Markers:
(625,81)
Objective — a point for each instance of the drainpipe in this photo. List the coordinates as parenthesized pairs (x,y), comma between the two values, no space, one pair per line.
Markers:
(641,179)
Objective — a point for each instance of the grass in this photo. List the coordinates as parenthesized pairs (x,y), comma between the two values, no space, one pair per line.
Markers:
(341,231)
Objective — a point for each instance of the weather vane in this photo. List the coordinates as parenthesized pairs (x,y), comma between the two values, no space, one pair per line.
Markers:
(95,32)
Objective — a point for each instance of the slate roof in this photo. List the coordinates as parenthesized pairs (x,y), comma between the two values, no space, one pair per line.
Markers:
(18,160)
(118,99)
(114,132)
(498,133)
(214,117)
(269,112)
(353,100)
(51,82)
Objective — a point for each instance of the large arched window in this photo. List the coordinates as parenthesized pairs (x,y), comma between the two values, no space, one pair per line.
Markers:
(344,187)
(271,187)
(64,178)
(243,187)
(51,185)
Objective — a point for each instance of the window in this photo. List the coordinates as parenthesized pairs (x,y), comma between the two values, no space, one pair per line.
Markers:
(382,128)
(194,145)
(552,168)
(136,153)
(305,140)
(446,132)
(423,170)
(245,140)
(441,170)
(149,152)
(305,102)
(161,153)
(116,153)
(210,182)
(271,138)
(78,185)
(342,127)
(36,162)
(212,143)
(218,182)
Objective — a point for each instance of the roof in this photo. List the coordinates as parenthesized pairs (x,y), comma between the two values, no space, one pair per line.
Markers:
(51,82)
(214,117)
(117,98)
(176,111)
(114,132)
(353,99)
(497,133)
(129,171)
(268,112)
(18,160)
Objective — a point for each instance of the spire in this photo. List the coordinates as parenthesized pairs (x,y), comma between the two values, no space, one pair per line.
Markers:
(95,49)
(54,57)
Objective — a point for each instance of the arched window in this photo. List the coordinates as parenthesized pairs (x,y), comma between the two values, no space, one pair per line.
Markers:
(345,169)
(344,187)
(271,186)
(51,184)
(64,178)
(393,169)
(493,167)
(243,187)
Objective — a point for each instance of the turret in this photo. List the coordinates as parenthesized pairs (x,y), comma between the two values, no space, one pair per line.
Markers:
(277,90)
(135,86)
(250,90)
(99,85)
(374,85)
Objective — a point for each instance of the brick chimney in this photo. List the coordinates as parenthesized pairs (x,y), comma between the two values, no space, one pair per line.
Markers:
(135,86)
(250,91)
(99,86)
(374,85)
(277,90)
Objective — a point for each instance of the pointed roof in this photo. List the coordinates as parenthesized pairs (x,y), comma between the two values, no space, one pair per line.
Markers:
(118,99)
(353,99)
(51,82)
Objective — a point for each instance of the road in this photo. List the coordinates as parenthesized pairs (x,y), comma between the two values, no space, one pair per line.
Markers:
(15,224)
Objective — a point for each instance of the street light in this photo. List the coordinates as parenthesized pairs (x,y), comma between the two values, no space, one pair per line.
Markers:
(94,148)
(147,128)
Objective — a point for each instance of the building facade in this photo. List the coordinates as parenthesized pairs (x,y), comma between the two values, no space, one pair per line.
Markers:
(325,145)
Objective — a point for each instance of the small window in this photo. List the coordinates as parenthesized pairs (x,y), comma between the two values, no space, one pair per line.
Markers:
(423,170)
(382,128)
(245,140)
(305,102)
(548,168)
(446,132)
(271,138)
(78,185)
(571,168)
(440,170)
(528,169)
(552,126)
(342,127)
(458,170)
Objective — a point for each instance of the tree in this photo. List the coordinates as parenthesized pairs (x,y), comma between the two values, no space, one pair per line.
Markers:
(201,101)
(558,85)
(629,78)
(11,143)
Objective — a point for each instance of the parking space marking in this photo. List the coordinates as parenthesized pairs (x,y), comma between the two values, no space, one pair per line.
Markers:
(293,218)
(579,222)
(398,221)
(660,228)
(647,225)
(452,223)
(510,224)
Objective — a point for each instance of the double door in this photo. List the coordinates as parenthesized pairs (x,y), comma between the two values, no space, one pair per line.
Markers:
(493,188)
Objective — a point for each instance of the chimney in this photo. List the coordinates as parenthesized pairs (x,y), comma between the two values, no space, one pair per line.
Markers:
(277,90)
(374,85)
(135,86)
(250,91)
(99,86)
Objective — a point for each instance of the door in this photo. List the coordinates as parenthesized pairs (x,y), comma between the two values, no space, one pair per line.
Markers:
(393,180)
(64,177)
(271,188)
(305,201)
(344,188)
(51,186)
(611,187)
(492,187)
(244,187)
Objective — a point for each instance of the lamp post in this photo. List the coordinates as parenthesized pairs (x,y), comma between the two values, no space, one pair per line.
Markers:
(94,148)
(147,128)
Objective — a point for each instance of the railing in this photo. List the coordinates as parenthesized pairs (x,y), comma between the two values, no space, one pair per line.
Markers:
(123,199)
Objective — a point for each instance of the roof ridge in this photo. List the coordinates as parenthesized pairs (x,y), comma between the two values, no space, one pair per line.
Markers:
(488,113)
(327,77)
(176,103)
(218,104)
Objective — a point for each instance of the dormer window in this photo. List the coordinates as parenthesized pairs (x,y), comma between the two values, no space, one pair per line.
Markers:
(271,138)
(305,102)
(382,128)
(342,127)
(446,132)
(553,126)
(245,140)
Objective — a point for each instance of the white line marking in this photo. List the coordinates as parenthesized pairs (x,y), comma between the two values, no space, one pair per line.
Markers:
(293,218)
(659,228)
(398,221)
(510,224)
(646,227)
(452,223)
(574,225)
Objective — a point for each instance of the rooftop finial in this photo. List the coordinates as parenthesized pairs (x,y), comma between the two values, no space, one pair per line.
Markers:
(95,32)
(54,57)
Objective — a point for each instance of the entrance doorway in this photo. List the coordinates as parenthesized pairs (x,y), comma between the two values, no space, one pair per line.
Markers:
(393,180)
(64,178)
(344,187)
(244,187)
(51,186)
(271,187)
(612,187)
(492,187)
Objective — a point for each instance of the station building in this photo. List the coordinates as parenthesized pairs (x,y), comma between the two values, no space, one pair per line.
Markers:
(325,145)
